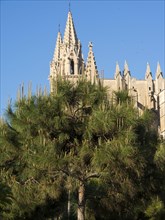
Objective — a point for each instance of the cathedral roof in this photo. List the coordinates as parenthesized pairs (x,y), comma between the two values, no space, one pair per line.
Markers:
(70,36)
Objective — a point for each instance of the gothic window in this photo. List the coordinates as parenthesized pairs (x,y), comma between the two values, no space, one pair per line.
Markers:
(80,70)
(72,67)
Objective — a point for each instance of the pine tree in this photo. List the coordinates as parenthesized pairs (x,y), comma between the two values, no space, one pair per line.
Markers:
(75,152)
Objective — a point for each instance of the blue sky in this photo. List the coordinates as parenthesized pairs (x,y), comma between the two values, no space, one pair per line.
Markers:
(120,30)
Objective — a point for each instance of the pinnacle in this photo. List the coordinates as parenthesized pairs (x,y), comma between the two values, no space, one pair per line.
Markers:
(117,71)
(126,68)
(148,69)
(91,63)
(158,70)
(117,68)
(57,48)
(70,37)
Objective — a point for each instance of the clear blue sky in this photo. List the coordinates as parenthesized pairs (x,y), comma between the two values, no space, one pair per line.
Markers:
(120,30)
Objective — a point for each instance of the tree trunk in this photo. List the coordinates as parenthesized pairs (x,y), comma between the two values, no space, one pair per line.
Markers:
(81,202)
(69,205)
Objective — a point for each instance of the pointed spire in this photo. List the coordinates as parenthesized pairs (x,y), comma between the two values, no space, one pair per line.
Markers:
(91,68)
(117,68)
(70,37)
(126,68)
(158,71)
(57,48)
(148,71)
(117,72)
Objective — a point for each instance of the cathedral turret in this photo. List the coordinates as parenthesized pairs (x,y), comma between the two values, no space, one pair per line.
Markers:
(158,71)
(159,79)
(148,78)
(148,74)
(126,76)
(91,68)
(118,77)
(126,68)
(117,72)
(55,63)
(56,56)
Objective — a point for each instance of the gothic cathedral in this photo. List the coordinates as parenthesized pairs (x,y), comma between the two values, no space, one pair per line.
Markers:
(68,63)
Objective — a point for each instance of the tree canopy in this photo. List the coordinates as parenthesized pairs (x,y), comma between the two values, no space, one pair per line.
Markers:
(77,154)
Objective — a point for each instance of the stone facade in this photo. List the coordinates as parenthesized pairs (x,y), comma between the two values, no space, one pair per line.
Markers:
(68,63)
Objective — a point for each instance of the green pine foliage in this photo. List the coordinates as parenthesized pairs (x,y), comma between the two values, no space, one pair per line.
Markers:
(76,151)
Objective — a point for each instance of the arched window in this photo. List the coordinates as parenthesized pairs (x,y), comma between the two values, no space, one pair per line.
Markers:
(71,67)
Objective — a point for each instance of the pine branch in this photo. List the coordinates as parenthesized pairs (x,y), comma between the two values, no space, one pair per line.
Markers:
(92,175)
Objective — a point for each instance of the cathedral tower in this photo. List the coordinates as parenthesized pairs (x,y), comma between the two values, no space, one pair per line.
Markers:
(68,60)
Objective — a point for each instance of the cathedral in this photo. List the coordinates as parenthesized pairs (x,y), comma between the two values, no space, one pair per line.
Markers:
(68,63)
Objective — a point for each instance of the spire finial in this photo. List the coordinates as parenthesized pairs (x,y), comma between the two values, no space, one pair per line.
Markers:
(90,45)
(59,28)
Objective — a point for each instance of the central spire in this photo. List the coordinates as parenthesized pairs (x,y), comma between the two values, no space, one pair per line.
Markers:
(70,36)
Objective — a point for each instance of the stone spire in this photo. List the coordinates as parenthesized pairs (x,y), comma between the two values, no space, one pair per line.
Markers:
(158,71)
(150,101)
(118,77)
(148,71)
(70,37)
(126,68)
(126,77)
(117,72)
(91,68)
(159,84)
(57,48)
